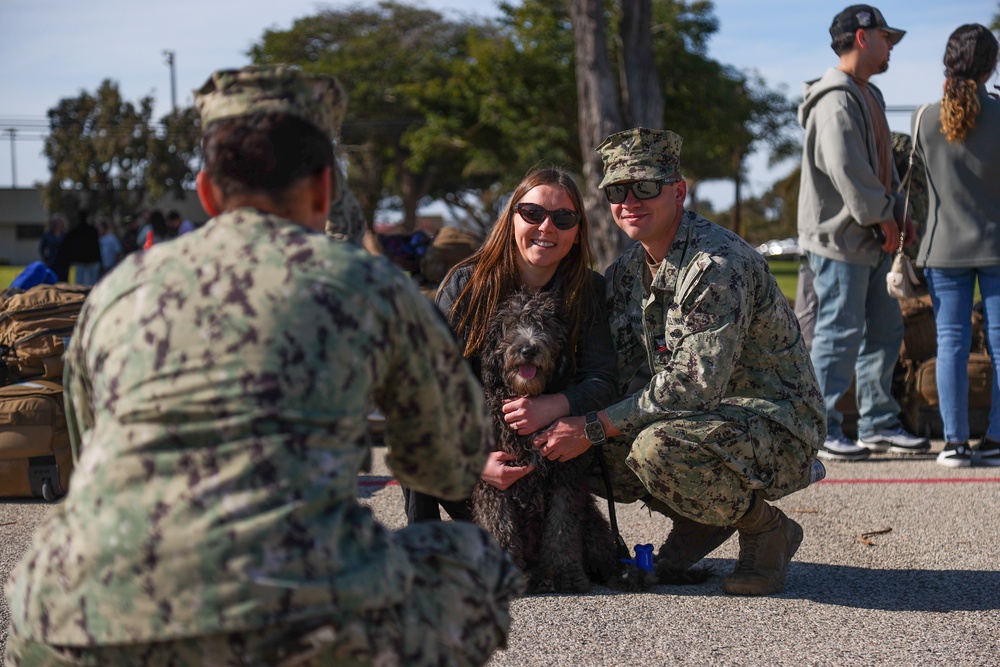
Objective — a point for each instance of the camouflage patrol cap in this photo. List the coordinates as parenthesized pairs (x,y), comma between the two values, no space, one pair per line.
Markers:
(640,154)
(230,93)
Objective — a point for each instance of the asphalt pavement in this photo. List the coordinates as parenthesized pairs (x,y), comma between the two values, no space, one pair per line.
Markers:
(900,566)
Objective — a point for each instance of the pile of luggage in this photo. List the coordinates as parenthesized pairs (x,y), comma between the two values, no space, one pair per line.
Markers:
(915,384)
(35,327)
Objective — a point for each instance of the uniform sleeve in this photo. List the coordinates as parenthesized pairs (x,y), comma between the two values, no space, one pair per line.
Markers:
(842,154)
(703,338)
(595,386)
(76,386)
(436,420)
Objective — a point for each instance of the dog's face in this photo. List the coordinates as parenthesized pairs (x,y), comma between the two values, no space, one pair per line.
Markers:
(532,333)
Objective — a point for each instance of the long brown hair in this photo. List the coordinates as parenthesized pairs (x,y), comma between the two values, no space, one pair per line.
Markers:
(971,54)
(495,274)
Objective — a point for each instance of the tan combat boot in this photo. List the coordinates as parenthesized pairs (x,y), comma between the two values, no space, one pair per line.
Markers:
(687,543)
(768,540)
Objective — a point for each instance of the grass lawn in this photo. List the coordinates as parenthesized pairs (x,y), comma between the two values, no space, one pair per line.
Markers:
(7,275)
(786,272)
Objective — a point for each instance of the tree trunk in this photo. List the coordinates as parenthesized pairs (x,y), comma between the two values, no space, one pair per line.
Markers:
(642,94)
(599,116)
(738,183)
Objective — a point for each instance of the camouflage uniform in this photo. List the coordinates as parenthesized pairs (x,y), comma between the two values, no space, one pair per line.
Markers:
(347,220)
(733,405)
(217,394)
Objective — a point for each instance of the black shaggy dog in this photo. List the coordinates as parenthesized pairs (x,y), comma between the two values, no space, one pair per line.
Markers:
(547,520)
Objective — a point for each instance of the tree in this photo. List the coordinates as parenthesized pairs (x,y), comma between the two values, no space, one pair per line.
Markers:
(105,154)
(996,20)
(507,108)
(721,112)
(395,62)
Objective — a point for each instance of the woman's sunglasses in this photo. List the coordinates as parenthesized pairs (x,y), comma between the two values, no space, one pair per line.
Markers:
(617,193)
(562,218)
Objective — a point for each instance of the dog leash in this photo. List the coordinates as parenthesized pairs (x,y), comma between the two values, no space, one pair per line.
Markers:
(620,546)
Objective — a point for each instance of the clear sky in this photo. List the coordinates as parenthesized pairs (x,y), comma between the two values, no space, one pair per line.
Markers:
(50,49)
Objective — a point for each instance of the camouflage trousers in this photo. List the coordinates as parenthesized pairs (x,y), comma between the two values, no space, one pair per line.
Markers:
(707,466)
(458,613)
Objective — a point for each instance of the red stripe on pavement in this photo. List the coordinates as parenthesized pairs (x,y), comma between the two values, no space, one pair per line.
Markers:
(377,482)
(929,480)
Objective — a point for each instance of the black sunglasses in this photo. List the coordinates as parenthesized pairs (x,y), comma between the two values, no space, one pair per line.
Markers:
(562,218)
(617,193)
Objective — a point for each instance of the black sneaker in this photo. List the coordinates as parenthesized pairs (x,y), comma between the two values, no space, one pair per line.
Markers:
(956,455)
(988,453)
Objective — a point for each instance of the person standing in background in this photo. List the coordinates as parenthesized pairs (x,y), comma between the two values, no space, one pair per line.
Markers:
(82,249)
(958,140)
(849,221)
(52,238)
(111,247)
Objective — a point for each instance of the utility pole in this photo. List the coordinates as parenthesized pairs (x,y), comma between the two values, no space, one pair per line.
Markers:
(173,78)
(13,160)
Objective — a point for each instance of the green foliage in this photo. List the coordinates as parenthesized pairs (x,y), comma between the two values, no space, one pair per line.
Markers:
(105,154)
(459,111)
(397,64)
(773,215)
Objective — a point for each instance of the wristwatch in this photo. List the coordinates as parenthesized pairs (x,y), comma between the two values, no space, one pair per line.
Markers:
(594,430)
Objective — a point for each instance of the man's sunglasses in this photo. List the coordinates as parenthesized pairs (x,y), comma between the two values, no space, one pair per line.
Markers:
(617,193)
(562,218)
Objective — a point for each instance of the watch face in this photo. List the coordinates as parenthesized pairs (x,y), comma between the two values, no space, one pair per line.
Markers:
(595,432)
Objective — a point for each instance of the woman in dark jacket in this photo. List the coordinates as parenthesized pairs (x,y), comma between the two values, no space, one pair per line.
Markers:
(540,242)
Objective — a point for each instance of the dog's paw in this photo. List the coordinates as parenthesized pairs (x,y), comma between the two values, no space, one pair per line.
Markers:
(539,583)
(693,576)
(572,582)
(632,579)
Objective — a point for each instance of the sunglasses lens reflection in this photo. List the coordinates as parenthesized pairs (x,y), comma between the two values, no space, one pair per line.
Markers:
(617,194)
(646,189)
(535,214)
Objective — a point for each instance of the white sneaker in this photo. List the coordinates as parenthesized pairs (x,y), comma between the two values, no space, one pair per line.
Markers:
(955,455)
(842,448)
(895,440)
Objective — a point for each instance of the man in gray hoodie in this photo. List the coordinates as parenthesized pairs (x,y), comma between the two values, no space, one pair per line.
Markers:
(849,224)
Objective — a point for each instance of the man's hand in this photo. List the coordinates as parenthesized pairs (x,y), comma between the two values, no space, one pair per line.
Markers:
(891,231)
(564,440)
(500,475)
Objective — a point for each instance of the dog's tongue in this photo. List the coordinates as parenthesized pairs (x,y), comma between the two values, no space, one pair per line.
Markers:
(527,371)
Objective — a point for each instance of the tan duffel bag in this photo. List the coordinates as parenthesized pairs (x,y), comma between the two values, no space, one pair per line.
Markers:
(35,454)
(980,381)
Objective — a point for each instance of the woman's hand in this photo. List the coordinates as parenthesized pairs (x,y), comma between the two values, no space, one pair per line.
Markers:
(529,414)
(500,475)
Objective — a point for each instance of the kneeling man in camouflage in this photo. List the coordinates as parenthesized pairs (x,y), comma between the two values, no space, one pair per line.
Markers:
(731,415)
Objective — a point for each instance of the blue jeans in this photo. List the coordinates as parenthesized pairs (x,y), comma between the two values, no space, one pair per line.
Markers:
(951,293)
(859,331)
(87,274)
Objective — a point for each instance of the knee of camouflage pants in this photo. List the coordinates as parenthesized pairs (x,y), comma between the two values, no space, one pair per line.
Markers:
(707,467)
(459,610)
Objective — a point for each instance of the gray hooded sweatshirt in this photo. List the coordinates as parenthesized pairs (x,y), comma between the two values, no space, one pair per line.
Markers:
(841,198)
